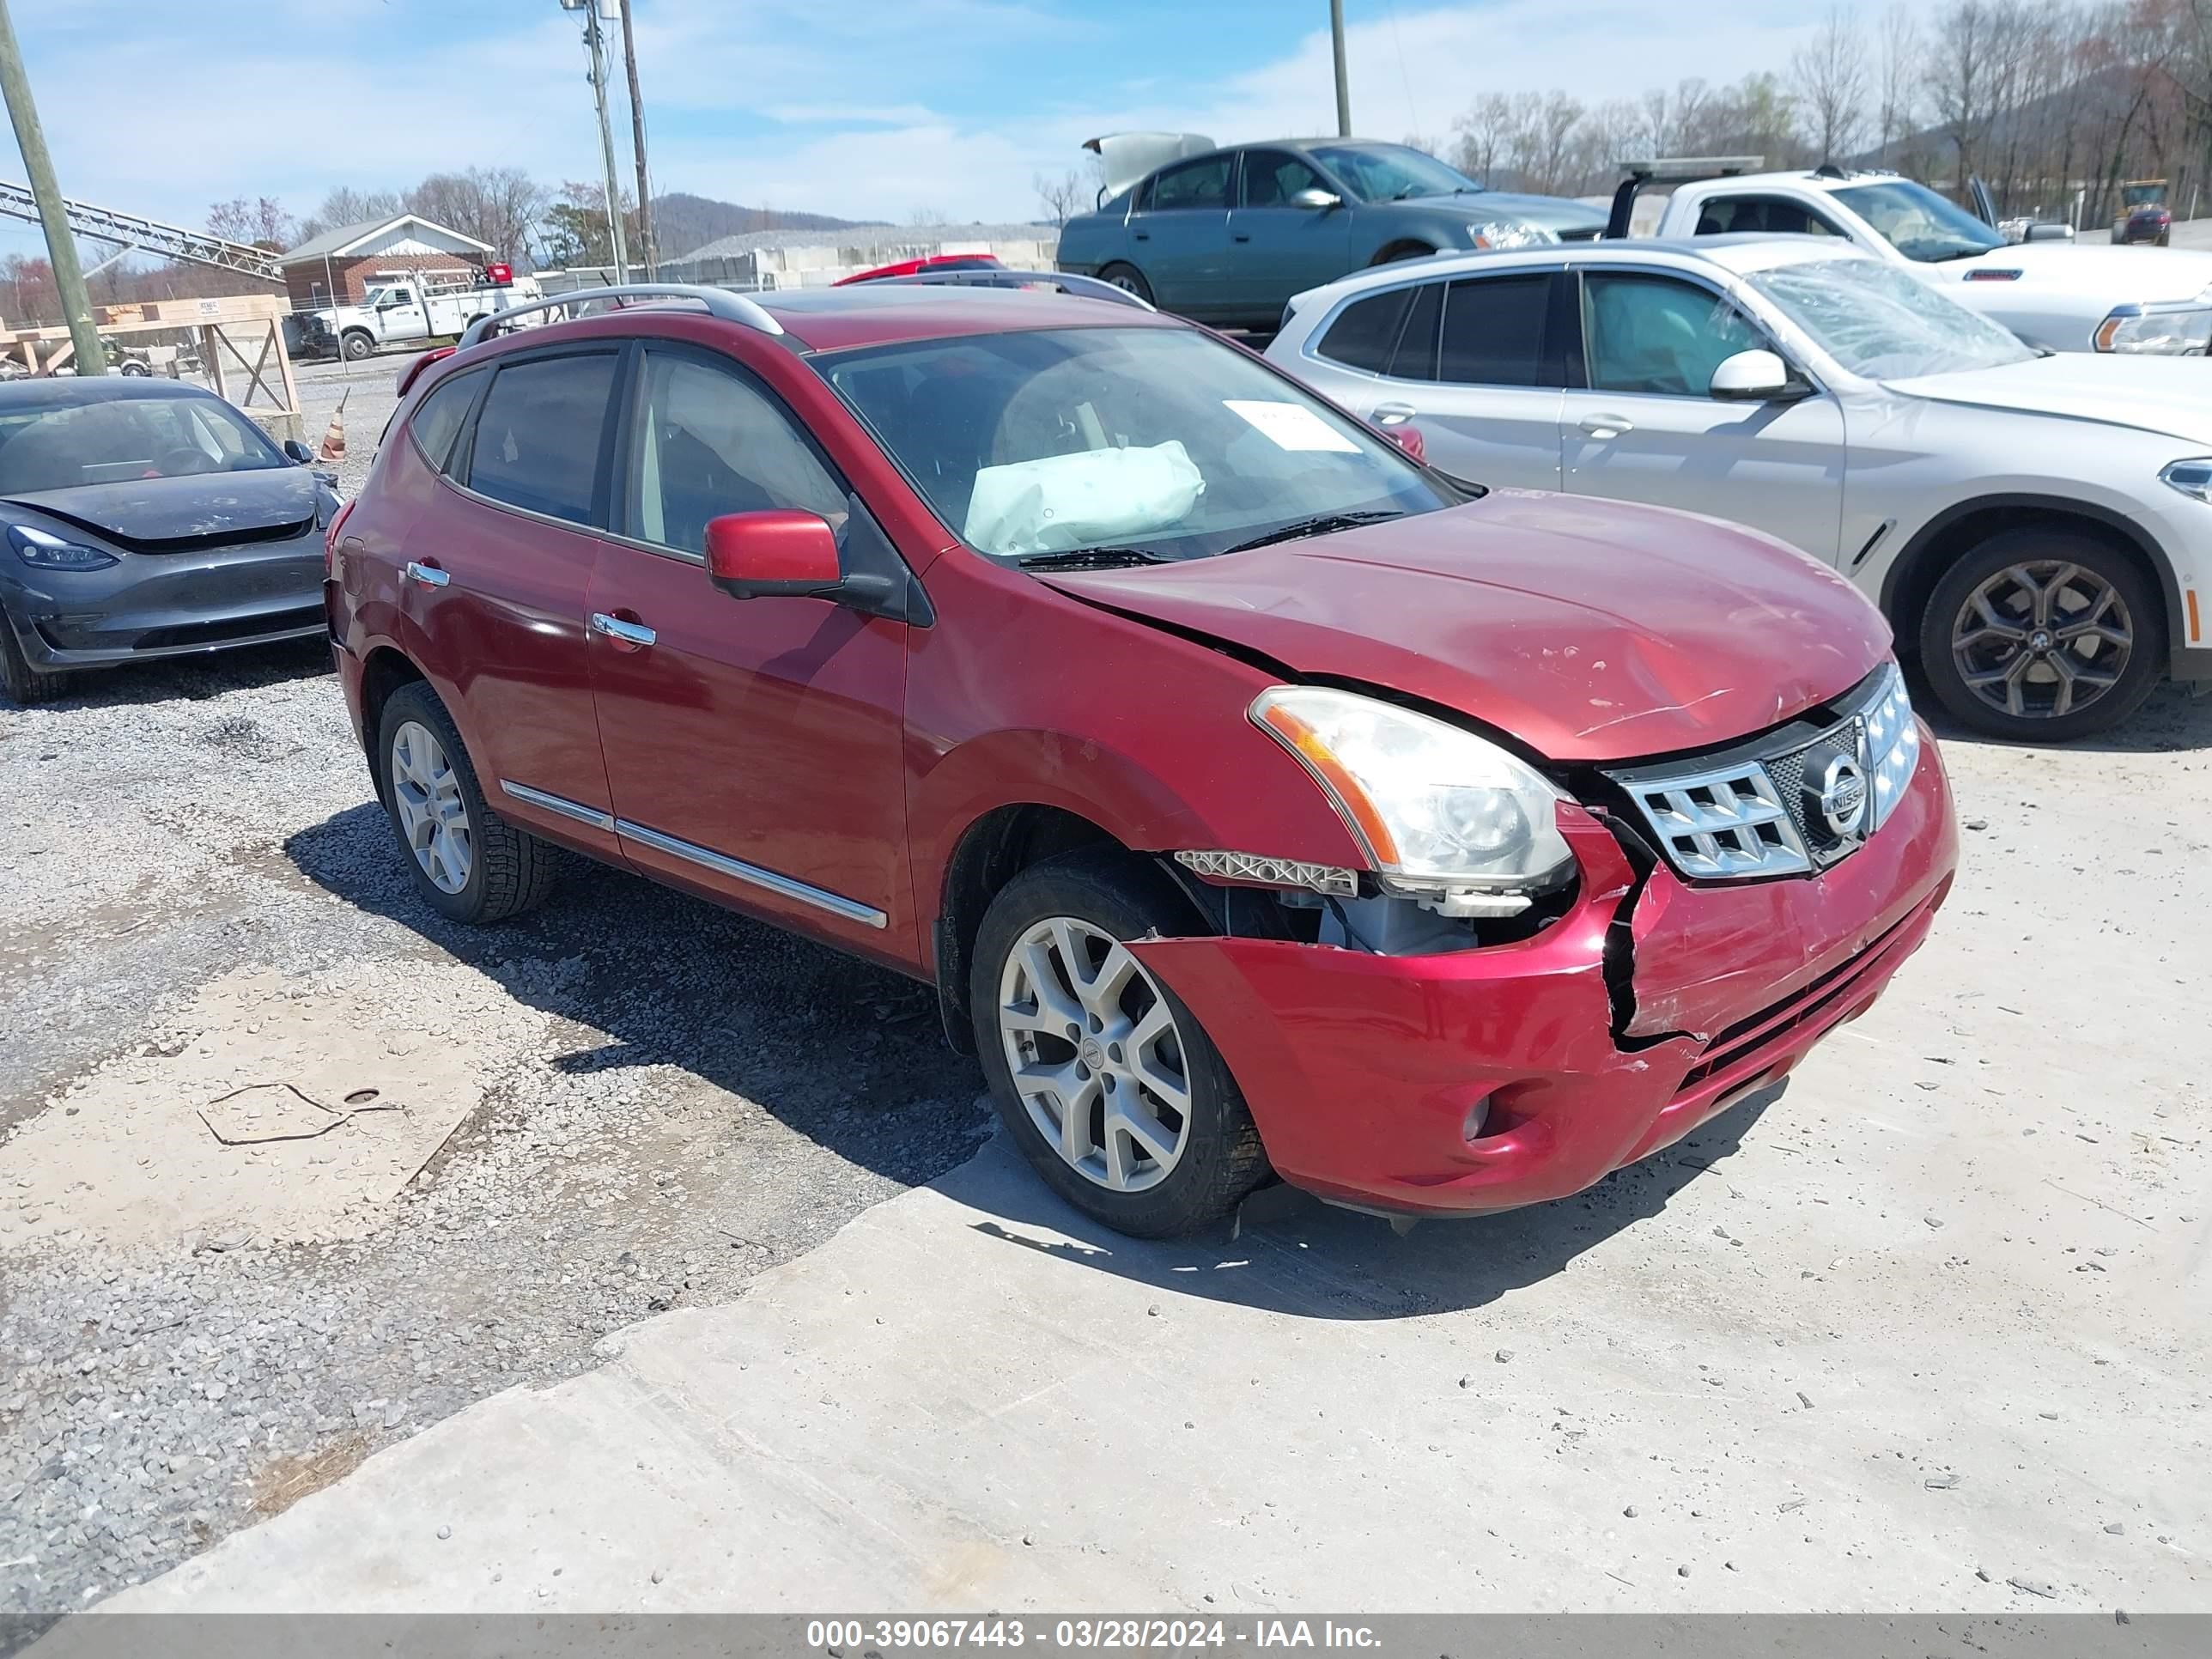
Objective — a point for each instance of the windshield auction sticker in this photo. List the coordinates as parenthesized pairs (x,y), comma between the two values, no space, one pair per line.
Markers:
(1289,425)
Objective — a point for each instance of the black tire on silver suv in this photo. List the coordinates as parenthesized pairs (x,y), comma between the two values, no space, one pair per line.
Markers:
(1114,1093)
(2043,634)
(469,864)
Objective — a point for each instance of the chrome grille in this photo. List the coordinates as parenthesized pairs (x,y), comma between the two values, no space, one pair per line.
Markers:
(1792,803)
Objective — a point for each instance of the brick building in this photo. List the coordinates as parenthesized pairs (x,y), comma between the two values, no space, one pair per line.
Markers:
(348,261)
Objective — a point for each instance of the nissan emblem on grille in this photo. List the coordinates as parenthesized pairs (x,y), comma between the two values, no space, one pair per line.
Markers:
(1836,791)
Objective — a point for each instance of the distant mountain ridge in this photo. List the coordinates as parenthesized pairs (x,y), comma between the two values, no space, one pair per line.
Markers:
(682,222)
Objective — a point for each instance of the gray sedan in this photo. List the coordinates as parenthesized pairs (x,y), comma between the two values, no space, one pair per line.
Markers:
(144,518)
(1227,237)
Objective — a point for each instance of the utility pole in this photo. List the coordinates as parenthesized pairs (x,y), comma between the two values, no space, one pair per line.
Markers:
(595,43)
(1343,83)
(648,256)
(61,246)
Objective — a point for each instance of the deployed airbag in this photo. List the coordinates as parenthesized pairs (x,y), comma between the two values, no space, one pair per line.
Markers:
(1059,502)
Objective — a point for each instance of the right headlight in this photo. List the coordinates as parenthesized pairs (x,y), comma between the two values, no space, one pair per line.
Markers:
(2190,477)
(1892,746)
(1435,808)
(2171,331)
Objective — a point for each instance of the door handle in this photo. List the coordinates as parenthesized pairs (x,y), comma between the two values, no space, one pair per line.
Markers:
(428,574)
(1606,425)
(1393,414)
(1140,235)
(636,635)
(1240,236)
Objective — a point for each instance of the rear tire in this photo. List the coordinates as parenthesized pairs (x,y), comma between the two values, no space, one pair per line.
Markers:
(19,682)
(467,862)
(2058,655)
(1130,1113)
(1129,279)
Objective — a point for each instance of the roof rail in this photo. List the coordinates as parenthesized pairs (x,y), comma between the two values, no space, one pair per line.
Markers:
(1670,169)
(1083,288)
(719,301)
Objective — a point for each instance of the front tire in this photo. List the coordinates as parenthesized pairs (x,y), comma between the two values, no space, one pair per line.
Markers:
(1128,279)
(1115,1093)
(19,682)
(2042,636)
(1400,251)
(355,346)
(468,864)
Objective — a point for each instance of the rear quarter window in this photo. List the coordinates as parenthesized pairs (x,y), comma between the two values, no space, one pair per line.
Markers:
(438,421)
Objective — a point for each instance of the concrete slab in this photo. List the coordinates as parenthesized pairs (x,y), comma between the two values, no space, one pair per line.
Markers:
(1925,1331)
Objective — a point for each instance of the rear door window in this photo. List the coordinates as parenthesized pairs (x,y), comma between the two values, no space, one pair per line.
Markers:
(1493,332)
(536,443)
(1200,183)
(1391,333)
(438,421)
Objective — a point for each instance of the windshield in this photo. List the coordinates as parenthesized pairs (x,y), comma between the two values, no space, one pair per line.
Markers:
(1391,172)
(1918,223)
(1120,445)
(1882,323)
(127,438)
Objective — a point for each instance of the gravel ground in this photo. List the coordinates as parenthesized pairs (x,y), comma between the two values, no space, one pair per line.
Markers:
(665,1100)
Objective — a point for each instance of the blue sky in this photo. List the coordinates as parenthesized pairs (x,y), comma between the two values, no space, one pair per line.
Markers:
(864,108)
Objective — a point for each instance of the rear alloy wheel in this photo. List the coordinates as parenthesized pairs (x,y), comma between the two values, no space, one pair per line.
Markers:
(468,863)
(2042,636)
(1115,1095)
(1128,279)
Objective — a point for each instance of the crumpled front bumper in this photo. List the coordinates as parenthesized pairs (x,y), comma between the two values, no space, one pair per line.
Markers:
(1360,1070)
(169,604)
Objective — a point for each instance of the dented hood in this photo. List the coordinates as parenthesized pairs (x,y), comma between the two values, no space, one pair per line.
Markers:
(1590,630)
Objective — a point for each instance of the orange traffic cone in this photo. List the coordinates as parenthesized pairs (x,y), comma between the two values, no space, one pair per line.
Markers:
(334,440)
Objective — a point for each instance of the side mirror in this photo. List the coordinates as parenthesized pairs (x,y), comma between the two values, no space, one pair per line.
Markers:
(1756,377)
(298,452)
(1316,200)
(773,554)
(2050,233)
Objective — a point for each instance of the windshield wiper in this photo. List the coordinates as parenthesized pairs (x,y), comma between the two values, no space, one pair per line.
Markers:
(1958,253)
(1323,526)
(1091,558)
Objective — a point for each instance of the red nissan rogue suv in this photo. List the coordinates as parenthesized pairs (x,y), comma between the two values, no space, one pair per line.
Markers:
(1257,798)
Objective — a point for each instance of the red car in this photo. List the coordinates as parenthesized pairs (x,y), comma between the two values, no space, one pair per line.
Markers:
(1257,799)
(923,267)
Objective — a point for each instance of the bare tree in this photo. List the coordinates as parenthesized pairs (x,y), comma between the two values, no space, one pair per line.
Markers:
(1957,77)
(1828,74)
(496,205)
(1899,90)
(1063,197)
(926,217)
(1483,131)
(262,221)
(347,206)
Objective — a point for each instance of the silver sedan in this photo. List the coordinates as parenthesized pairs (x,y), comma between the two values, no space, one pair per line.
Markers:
(2038,528)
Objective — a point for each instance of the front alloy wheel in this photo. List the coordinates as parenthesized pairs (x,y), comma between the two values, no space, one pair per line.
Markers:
(1095,1054)
(1107,1084)
(2042,636)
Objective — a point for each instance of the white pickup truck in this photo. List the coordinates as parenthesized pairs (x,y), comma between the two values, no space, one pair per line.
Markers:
(403,311)
(2051,293)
